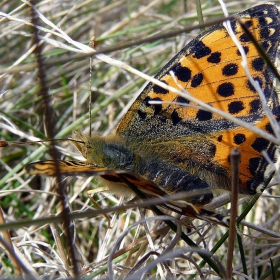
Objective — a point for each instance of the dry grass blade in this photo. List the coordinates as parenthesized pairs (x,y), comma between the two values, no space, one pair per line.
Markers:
(125,250)
(234,159)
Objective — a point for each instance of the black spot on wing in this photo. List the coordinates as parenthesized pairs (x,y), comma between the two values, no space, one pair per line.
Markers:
(200,50)
(175,117)
(230,69)
(214,57)
(157,107)
(255,106)
(160,90)
(182,100)
(239,138)
(204,115)
(258,64)
(245,48)
(182,73)
(248,23)
(196,80)
(244,38)
(251,87)
(142,115)
(235,107)
(260,144)
(225,89)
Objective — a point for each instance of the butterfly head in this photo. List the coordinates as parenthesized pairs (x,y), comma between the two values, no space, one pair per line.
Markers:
(104,151)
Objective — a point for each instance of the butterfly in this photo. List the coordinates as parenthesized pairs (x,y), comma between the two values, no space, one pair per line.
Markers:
(166,144)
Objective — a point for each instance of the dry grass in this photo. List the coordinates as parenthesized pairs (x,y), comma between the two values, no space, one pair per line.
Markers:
(42,245)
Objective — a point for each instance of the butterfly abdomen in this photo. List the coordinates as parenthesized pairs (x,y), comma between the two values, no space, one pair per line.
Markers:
(173,179)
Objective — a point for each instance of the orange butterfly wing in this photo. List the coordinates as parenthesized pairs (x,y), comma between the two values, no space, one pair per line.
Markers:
(209,68)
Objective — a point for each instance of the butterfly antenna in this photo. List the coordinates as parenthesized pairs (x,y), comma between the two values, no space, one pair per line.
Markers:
(91,44)
(4,144)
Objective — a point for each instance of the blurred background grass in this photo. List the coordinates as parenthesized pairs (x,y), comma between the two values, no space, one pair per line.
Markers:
(21,109)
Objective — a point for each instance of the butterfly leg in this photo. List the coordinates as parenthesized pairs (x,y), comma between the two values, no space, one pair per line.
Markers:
(90,196)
